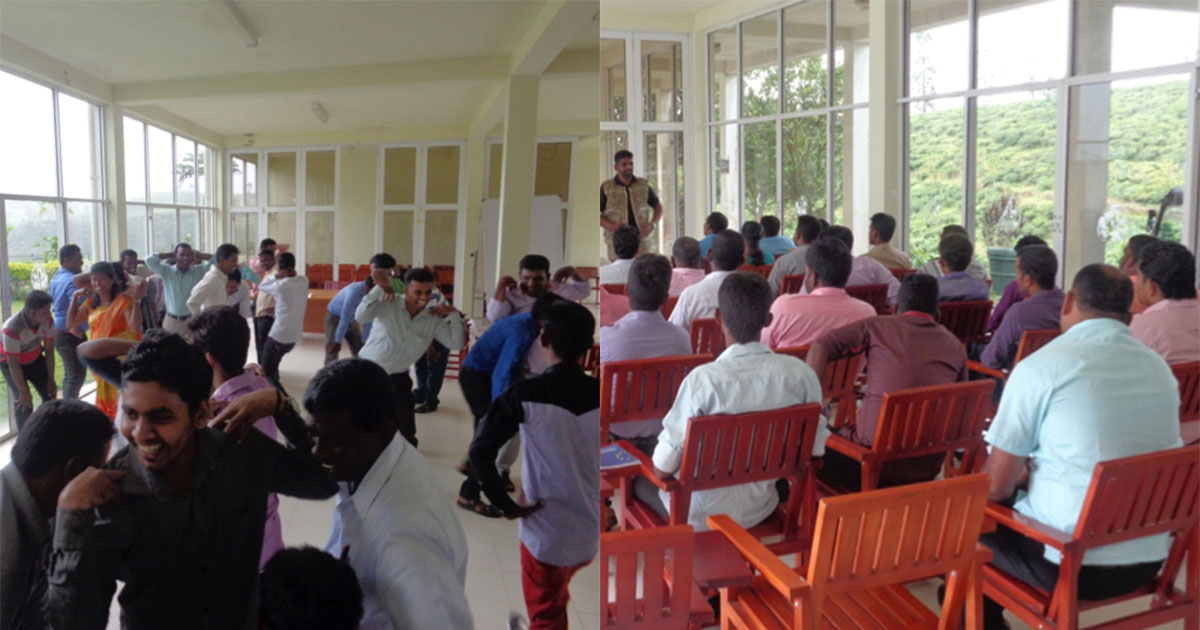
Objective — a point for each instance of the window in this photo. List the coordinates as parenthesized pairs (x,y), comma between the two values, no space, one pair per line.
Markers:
(423,200)
(168,190)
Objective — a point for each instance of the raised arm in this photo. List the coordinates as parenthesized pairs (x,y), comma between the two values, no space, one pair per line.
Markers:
(77,313)
(450,331)
(86,553)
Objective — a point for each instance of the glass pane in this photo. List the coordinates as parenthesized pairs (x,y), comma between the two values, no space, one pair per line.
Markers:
(165,230)
(318,238)
(26,121)
(398,235)
(610,143)
(135,160)
(33,232)
(851,53)
(281,179)
(662,80)
(319,178)
(162,166)
(760,66)
(78,127)
(1039,54)
(759,155)
(723,77)
(1113,36)
(441,174)
(135,229)
(83,228)
(1128,145)
(664,170)
(244,232)
(935,178)
(723,147)
(495,169)
(185,172)
(441,230)
(805,56)
(251,180)
(939,47)
(399,176)
(189,228)
(204,157)
(803,169)
(553,172)
(612,79)
(281,226)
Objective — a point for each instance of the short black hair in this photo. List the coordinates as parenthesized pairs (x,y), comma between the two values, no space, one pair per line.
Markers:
(66,251)
(418,274)
(686,252)
(649,282)
(1103,290)
(383,261)
(358,386)
(885,225)
(728,250)
(626,242)
(717,222)
(745,302)
(267,243)
(824,223)
(841,233)
(542,305)
(1040,262)
(954,228)
(235,276)
(831,261)
(1138,241)
(308,589)
(808,228)
(752,231)
(37,300)
(226,250)
(569,330)
(286,260)
(918,292)
(1028,240)
(223,333)
(182,244)
(127,253)
(623,153)
(535,262)
(957,251)
(770,225)
(266,252)
(60,430)
(1169,265)
(169,360)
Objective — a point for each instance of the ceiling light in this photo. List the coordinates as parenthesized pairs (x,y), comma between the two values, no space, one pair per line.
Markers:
(320,112)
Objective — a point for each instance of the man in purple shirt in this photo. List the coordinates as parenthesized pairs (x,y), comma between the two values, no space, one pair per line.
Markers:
(958,285)
(1012,293)
(644,334)
(1039,310)
(864,270)
(512,297)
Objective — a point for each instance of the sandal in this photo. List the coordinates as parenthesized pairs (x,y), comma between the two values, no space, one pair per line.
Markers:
(479,507)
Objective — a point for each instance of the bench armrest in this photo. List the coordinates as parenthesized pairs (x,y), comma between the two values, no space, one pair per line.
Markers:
(1030,528)
(782,578)
(646,466)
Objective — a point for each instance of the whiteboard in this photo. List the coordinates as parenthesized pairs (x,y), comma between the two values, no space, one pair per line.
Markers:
(547,236)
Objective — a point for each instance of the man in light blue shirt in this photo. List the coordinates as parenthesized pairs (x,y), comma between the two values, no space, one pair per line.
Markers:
(62,288)
(713,225)
(773,243)
(1093,394)
(339,316)
(178,281)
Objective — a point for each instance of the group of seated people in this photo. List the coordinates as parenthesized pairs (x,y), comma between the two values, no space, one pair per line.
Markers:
(1106,368)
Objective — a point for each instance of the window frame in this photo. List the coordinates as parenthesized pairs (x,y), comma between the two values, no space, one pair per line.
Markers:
(208,213)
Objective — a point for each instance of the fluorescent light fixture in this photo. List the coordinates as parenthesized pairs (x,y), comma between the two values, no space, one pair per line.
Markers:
(320,112)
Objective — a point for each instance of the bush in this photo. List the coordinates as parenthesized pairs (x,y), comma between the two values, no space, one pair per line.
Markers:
(27,276)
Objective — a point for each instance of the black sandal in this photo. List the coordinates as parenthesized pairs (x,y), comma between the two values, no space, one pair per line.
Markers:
(479,507)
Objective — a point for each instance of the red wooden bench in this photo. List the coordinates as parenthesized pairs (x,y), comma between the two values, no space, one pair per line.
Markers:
(873,294)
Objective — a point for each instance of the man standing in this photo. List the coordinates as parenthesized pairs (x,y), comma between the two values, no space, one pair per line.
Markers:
(291,301)
(772,242)
(628,200)
(153,298)
(340,324)
(210,291)
(512,297)
(264,303)
(178,281)
(62,288)
(28,357)
(883,227)
(792,263)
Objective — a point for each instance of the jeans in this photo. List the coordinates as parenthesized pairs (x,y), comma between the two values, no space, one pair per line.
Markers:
(35,375)
(430,376)
(262,328)
(353,337)
(273,352)
(406,420)
(73,370)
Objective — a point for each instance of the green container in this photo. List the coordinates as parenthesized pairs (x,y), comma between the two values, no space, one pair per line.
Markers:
(1003,264)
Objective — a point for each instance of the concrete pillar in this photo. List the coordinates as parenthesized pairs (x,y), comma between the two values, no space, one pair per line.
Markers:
(516,178)
(468,262)
(887,48)
(114,180)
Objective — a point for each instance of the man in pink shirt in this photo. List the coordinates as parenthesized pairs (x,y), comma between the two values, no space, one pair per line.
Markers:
(1164,281)
(688,268)
(798,319)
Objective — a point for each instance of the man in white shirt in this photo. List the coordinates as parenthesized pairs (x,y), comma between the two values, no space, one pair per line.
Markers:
(237,294)
(513,297)
(698,301)
(210,291)
(402,329)
(393,523)
(746,377)
(625,243)
(687,266)
(291,300)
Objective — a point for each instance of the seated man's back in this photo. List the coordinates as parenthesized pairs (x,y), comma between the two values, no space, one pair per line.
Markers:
(700,300)
(1164,282)
(1036,269)
(800,319)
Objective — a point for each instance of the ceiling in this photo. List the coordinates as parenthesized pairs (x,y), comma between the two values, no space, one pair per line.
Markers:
(660,6)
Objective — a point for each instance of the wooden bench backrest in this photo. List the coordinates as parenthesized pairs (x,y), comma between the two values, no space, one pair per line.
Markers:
(668,307)
(932,419)
(900,274)
(615,289)
(837,383)
(1188,375)
(1033,340)
(591,360)
(967,320)
(663,551)
(762,270)
(732,449)
(707,337)
(873,294)
(641,389)
(792,283)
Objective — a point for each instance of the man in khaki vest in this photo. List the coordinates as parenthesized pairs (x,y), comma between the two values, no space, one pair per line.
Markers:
(628,200)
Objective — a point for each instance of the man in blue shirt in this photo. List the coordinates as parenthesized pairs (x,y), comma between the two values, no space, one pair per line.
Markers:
(339,316)
(70,263)
(178,281)
(772,243)
(713,225)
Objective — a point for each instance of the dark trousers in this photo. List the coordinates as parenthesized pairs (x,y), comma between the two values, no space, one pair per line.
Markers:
(73,370)
(1022,558)
(406,419)
(430,375)
(36,377)
(477,389)
(273,352)
(839,470)
(353,336)
(262,328)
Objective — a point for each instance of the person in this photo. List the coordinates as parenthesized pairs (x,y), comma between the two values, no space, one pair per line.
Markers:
(60,440)
(108,313)
(1129,255)
(210,291)
(223,335)
(185,535)
(237,294)
(1165,283)
(626,243)
(808,228)
(687,266)
(902,351)
(178,281)
(430,371)
(264,303)
(934,268)
(956,284)
(28,354)
(747,377)
(714,224)
(67,339)
(644,334)
(558,416)
(700,300)
(1066,408)
(883,227)
(628,200)
(752,232)
(865,270)
(1012,292)
(132,266)
(291,300)
(773,243)
(340,324)
(256,264)
(1036,268)
(512,297)
(800,319)
(307,589)
(402,331)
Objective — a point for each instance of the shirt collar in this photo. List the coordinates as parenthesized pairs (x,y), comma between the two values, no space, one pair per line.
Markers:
(245,381)
(1166,305)
(1046,294)
(828,292)
(956,274)
(919,315)
(743,350)
(716,276)
(1097,326)
(378,475)
(655,315)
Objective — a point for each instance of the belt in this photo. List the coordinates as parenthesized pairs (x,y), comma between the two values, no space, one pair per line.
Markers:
(179,317)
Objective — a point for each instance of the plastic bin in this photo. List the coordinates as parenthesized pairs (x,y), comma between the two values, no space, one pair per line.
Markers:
(1003,264)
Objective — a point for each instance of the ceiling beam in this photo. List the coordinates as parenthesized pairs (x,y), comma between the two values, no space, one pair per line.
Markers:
(247,31)
(552,31)
(490,112)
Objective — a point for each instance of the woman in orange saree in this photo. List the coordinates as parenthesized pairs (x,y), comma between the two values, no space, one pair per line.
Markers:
(109,314)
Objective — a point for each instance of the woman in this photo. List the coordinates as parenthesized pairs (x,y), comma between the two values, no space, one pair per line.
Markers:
(109,313)
(752,231)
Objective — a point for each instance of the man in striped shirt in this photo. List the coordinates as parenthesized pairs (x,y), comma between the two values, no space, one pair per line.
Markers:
(28,357)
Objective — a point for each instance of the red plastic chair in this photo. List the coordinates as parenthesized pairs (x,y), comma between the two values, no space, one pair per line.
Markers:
(873,294)
(793,283)
(642,389)
(707,337)
(1188,376)
(967,320)
(670,600)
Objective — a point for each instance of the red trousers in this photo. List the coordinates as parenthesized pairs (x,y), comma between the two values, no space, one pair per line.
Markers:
(546,591)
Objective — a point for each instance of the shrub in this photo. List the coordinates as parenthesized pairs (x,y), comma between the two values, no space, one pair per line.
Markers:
(27,276)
